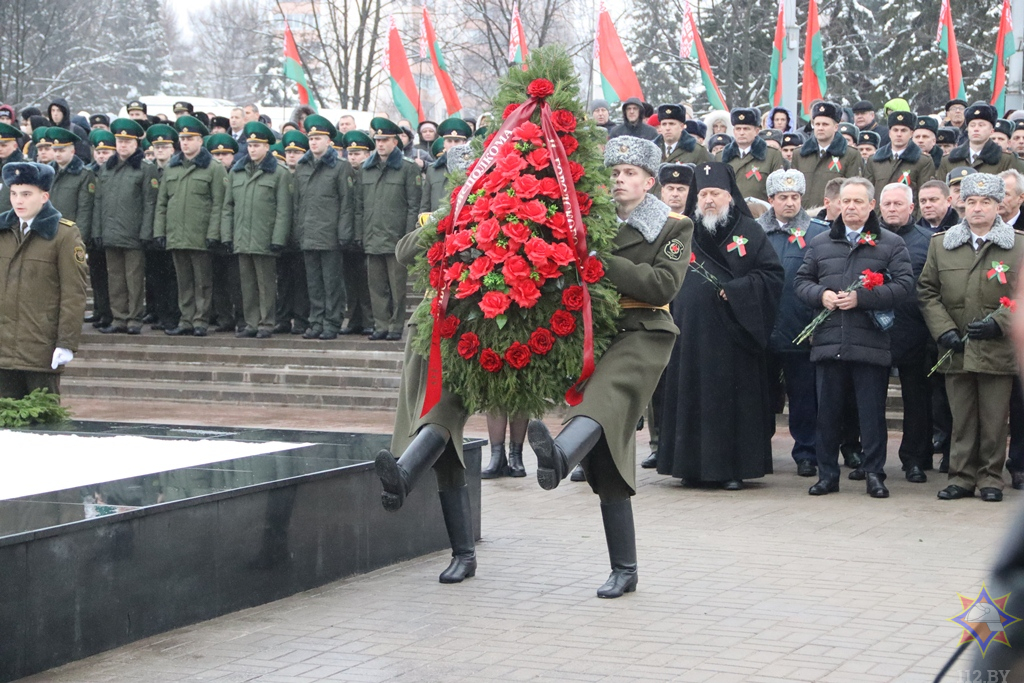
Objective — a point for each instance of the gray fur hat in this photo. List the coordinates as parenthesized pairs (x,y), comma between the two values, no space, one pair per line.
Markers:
(626,149)
(459,157)
(982,185)
(784,180)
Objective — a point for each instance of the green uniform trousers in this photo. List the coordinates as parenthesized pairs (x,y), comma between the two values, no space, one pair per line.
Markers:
(258,275)
(387,279)
(357,291)
(194,271)
(126,281)
(981,408)
(326,289)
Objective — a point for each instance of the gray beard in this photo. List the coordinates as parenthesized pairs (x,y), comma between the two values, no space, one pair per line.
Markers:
(711,222)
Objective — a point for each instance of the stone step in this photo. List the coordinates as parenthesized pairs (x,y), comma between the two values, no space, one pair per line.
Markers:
(227,356)
(228,339)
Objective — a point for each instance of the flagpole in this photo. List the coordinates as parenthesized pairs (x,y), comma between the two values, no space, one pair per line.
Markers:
(1014,94)
(590,71)
(790,61)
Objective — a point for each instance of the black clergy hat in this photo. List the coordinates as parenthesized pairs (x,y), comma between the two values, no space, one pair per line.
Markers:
(713,174)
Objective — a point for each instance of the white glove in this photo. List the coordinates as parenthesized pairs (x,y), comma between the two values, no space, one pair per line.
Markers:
(60,357)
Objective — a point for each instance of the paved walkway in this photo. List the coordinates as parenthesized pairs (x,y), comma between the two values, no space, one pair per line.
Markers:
(763,585)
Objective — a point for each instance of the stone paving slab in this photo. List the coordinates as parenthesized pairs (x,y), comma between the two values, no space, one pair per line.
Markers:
(763,585)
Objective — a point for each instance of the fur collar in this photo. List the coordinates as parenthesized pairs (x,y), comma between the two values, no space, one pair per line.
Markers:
(649,216)
(911,155)
(838,231)
(801,221)
(329,159)
(1001,235)
(135,160)
(441,162)
(991,153)
(74,167)
(687,142)
(268,165)
(44,225)
(758,149)
(394,162)
(836,148)
(201,160)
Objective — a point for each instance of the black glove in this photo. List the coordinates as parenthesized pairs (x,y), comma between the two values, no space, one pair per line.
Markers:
(212,244)
(97,242)
(984,329)
(276,248)
(951,340)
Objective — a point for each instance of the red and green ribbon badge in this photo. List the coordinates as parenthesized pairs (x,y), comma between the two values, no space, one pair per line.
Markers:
(797,235)
(836,165)
(754,172)
(998,270)
(867,238)
(905,178)
(738,244)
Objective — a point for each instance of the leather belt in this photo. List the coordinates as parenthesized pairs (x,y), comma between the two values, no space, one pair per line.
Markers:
(630,302)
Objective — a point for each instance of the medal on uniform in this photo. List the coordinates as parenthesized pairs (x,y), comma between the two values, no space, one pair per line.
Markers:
(998,270)
(797,235)
(836,165)
(867,238)
(754,172)
(738,244)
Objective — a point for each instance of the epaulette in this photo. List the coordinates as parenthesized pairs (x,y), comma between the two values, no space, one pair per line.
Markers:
(408,160)
(65,221)
(677,216)
(818,221)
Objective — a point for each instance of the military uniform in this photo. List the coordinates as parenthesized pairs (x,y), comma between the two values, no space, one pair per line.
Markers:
(8,133)
(753,168)
(292,293)
(227,286)
(358,310)
(990,159)
(911,167)
(436,174)
(838,160)
(161,277)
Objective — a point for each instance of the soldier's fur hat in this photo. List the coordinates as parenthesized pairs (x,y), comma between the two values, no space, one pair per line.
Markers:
(626,149)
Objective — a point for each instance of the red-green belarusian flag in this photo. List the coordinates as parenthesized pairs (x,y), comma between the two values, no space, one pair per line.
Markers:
(947,43)
(813,86)
(444,81)
(1005,47)
(403,87)
(691,47)
(778,54)
(517,50)
(293,67)
(618,80)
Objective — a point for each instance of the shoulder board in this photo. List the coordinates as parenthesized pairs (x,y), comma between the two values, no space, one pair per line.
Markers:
(408,160)
(677,216)
(65,221)
(818,221)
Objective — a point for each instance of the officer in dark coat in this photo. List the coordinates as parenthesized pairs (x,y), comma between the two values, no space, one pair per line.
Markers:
(900,160)
(227,287)
(451,132)
(978,151)
(826,154)
(356,146)
(677,145)
(10,153)
(749,155)
(292,293)
(926,132)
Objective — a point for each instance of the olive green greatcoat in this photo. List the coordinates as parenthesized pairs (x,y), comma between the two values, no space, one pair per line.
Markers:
(840,160)
(387,202)
(323,201)
(753,169)
(687,151)
(73,194)
(913,169)
(42,290)
(5,193)
(992,159)
(190,202)
(433,185)
(126,193)
(257,206)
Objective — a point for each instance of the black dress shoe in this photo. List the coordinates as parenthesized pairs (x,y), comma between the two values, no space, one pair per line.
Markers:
(823,486)
(312,333)
(937,447)
(378,336)
(876,486)
(954,492)
(806,468)
(103,322)
(944,464)
(157,327)
(650,462)
(915,475)
(199,332)
(282,328)
(114,329)
(226,327)
(578,474)
(1018,480)
(857,475)
(149,318)
(394,336)
(852,456)
(92,318)
(246,333)
(264,334)
(298,329)
(348,329)
(327,335)
(178,331)
(990,495)
(134,329)
(733,485)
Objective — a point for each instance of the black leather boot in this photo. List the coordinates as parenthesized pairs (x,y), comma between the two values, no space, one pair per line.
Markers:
(621,538)
(399,476)
(458,520)
(515,460)
(498,467)
(557,457)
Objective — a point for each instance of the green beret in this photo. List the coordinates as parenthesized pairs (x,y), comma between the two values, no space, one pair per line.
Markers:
(295,141)
(190,125)
(127,128)
(161,132)
(437,147)
(454,128)
(277,149)
(358,140)
(255,131)
(103,139)
(61,137)
(382,128)
(39,136)
(8,132)
(220,143)
(318,125)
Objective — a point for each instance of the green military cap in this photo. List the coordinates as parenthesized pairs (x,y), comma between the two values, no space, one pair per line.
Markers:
(102,139)
(358,140)
(145,144)
(869,137)
(190,125)
(219,143)
(771,134)
(437,147)
(454,128)
(127,128)
(136,105)
(959,173)
(384,128)
(480,132)
(255,131)
(927,123)
(39,137)
(8,132)
(849,129)
(277,149)
(161,132)
(61,137)
(338,141)
(295,141)
(182,108)
(318,125)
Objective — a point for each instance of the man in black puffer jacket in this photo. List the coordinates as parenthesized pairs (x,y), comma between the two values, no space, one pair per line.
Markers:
(849,349)
(60,115)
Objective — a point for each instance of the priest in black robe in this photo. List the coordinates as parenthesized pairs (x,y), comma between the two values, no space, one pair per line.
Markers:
(717,421)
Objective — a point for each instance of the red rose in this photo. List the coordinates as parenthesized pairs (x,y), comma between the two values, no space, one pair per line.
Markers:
(528,131)
(469,344)
(448,326)
(563,323)
(455,194)
(562,254)
(494,304)
(515,269)
(572,298)
(593,270)
(576,171)
(510,165)
(540,87)
(498,253)
(518,355)
(541,341)
(525,293)
(549,270)
(559,225)
(539,158)
(486,233)
(533,210)
(435,252)
(570,144)
(537,250)
(509,109)
(467,287)
(526,186)
(464,218)
(480,267)
(549,188)
(502,205)
(454,271)
(563,120)
(517,231)
(494,183)
(585,202)
(490,360)
(481,209)
(458,241)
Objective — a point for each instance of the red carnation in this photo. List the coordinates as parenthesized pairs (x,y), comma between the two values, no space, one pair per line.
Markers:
(541,341)
(528,131)
(480,267)
(490,360)
(525,293)
(518,355)
(576,171)
(510,165)
(509,109)
(436,276)
(486,233)
(1007,302)
(563,120)
(468,345)
(563,323)
(562,254)
(539,158)
(533,210)
(572,298)
(869,279)
(693,257)
(537,250)
(435,253)
(540,87)
(467,287)
(448,326)
(585,202)
(502,205)
(593,270)
(526,186)
(570,144)
(494,304)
